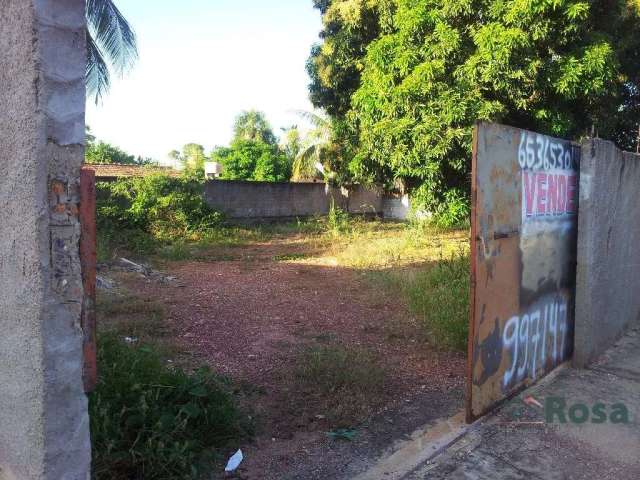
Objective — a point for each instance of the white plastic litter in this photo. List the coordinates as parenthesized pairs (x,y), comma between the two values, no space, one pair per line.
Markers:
(234,461)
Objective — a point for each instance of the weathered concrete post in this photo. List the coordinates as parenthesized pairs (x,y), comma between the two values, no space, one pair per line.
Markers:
(607,283)
(44,426)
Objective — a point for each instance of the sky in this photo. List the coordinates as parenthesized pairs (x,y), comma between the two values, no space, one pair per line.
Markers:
(201,63)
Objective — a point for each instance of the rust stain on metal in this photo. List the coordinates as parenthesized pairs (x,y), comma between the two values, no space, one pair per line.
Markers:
(87,214)
(523,250)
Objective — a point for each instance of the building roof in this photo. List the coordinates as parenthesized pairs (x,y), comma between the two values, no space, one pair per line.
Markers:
(116,170)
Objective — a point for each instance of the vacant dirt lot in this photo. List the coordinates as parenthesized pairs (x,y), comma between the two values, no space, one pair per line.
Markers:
(255,311)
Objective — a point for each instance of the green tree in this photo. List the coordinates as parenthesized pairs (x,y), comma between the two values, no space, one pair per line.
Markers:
(252,160)
(309,164)
(105,153)
(325,150)
(290,142)
(335,64)
(252,125)
(175,156)
(193,156)
(557,67)
(111,46)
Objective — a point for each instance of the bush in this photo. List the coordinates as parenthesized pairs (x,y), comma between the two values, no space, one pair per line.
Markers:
(142,212)
(338,221)
(440,296)
(149,421)
(453,210)
(253,160)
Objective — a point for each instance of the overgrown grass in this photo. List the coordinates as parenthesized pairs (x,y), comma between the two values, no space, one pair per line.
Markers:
(438,295)
(342,384)
(198,245)
(155,422)
(149,417)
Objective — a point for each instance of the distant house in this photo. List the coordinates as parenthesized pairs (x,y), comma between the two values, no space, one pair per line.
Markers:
(114,171)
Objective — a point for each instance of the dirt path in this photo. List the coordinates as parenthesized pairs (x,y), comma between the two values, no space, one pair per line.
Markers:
(251,317)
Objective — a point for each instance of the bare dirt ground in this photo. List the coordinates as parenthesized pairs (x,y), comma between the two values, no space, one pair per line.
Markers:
(250,311)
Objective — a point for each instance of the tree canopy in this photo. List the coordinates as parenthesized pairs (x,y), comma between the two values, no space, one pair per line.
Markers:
(98,151)
(253,160)
(335,64)
(252,125)
(193,156)
(436,66)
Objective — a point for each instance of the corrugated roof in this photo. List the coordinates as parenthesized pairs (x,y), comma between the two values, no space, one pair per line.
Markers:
(115,170)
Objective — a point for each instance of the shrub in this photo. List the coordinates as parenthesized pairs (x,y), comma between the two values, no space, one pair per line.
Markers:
(151,209)
(453,210)
(149,421)
(253,160)
(338,221)
(440,296)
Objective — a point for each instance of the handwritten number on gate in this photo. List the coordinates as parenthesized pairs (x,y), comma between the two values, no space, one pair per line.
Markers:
(532,331)
(524,344)
(535,340)
(510,342)
(539,152)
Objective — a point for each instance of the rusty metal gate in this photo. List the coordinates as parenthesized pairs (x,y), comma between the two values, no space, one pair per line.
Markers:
(523,257)
(88,264)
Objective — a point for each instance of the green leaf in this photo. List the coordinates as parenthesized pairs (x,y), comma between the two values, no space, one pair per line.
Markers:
(199,391)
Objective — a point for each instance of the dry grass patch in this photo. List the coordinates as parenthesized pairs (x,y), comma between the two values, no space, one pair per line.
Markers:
(340,384)
(376,244)
(136,319)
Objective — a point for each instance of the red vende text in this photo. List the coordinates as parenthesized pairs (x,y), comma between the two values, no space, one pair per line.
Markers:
(547,194)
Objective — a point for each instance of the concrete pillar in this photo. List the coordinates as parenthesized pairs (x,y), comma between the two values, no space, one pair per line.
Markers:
(44,425)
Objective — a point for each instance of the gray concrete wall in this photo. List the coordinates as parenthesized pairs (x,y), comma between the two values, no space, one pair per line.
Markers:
(396,207)
(44,426)
(608,278)
(254,200)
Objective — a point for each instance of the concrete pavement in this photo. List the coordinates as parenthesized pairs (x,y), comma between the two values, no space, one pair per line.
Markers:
(519,442)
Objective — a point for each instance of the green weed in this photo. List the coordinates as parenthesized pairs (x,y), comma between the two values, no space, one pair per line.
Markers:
(155,422)
(440,297)
(338,221)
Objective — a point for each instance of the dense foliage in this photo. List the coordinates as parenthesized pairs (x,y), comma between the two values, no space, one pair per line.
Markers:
(152,421)
(102,152)
(163,207)
(253,160)
(254,153)
(554,66)
(439,296)
(97,151)
(335,65)
(252,125)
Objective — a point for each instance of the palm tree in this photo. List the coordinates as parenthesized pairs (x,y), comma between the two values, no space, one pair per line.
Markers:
(309,161)
(111,45)
(252,125)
